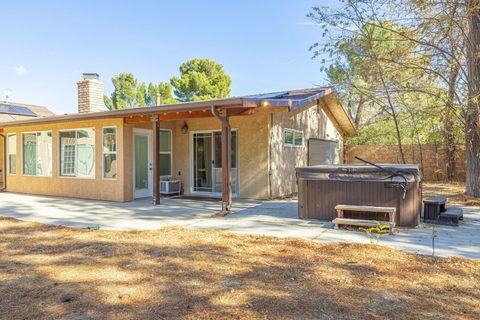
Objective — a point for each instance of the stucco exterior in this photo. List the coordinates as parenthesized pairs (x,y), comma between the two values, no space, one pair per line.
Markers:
(314,123)
(252,151)
(266,165)
(97,188)
(2,161)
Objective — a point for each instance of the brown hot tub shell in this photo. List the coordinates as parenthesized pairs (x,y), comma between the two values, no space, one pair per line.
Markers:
(321,188)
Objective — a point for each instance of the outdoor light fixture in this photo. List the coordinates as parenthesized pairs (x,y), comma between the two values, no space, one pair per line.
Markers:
(265,103)
(184,127)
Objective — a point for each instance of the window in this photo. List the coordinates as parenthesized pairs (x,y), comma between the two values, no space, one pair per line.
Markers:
(293,138)
(37,153)
(77,153)
(110,153)
(12,153)
(165,164)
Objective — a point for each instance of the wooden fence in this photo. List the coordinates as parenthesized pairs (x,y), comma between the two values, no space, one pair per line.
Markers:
(434,165)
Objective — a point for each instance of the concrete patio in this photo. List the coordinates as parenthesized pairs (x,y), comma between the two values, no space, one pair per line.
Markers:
(271,218)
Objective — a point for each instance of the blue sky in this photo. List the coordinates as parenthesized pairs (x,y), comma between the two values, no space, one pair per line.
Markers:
(263,44)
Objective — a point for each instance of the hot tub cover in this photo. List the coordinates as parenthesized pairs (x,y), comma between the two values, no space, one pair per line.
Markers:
(360,172)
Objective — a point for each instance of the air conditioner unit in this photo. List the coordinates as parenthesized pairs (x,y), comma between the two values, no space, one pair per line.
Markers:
(170,187)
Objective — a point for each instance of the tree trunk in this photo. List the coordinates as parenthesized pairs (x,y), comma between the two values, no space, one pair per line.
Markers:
(395,119)
(359,113)
(448,125)
(472,134)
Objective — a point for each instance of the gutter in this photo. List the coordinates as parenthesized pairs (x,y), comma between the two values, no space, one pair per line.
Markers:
(166,108)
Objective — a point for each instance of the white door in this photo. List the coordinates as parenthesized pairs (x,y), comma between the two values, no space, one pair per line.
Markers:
(142,163)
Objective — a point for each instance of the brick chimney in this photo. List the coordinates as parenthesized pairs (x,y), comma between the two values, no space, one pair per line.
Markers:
(90,94)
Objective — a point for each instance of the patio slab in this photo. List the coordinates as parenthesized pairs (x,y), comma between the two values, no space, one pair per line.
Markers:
(270,218)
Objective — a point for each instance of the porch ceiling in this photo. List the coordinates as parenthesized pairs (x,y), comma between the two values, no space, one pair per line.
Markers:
(190,114)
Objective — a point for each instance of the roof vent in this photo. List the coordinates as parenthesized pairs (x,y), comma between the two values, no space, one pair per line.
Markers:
(90,75)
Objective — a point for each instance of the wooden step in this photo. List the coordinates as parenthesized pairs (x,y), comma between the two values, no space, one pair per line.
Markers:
(452,213)
(362,223)
(359,222)
(348,207)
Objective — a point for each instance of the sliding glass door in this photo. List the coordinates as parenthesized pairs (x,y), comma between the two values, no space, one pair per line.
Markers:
(207,162)
(202,162)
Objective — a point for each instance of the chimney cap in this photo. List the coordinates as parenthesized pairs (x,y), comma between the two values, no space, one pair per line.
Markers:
(90,75)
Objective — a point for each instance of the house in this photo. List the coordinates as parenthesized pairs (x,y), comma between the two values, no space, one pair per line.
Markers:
(11,111)
(111,155)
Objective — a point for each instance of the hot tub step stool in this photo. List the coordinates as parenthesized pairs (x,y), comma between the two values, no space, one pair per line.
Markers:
(363,223)
(452,216)
(433,206)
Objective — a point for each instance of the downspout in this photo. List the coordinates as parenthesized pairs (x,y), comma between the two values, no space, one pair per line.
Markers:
(217,115)
(4,169)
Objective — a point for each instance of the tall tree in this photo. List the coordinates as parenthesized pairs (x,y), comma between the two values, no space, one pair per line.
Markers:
(201,79)
(434,68)
(166,94)
(127,93)
(373,54)
(472,116)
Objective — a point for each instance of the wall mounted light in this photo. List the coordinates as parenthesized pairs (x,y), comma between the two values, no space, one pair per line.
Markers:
(184,128)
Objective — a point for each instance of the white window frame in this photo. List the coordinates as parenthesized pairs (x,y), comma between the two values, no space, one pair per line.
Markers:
(36,146)
(191,165)
(293,131)
(76,154)
(168,152)
(10,153)
(108,152)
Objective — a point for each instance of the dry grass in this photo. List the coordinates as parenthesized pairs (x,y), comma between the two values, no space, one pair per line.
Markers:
(454,191)
(56,272)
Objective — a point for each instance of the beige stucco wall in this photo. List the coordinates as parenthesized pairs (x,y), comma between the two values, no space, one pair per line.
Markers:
(55,185)
(314,123)
(2,142)
(252,149)
(260,150)
(252,146)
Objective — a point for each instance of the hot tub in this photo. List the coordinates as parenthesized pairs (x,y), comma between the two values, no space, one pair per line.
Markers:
(321,188)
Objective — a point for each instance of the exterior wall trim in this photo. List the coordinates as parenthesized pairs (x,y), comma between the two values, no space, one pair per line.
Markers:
(103,154)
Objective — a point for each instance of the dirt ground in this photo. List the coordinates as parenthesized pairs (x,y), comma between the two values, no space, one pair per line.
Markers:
(454,191)
(61,273)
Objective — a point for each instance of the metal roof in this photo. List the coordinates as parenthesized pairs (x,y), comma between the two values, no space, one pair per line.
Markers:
(292,99)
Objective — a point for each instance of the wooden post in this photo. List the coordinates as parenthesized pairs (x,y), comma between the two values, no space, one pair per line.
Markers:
(226,166)
(226,160)
(156,159)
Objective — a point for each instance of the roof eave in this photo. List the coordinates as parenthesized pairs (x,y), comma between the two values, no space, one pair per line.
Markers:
(348,125)
(166,108)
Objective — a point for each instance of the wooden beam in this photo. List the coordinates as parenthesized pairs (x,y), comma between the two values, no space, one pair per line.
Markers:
(137,119)
(156,159)
(167,116)
(184,115)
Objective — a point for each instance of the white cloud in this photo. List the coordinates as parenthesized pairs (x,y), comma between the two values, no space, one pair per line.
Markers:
(20,70)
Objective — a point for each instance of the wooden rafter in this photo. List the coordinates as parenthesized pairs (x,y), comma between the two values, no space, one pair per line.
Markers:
(170,116)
